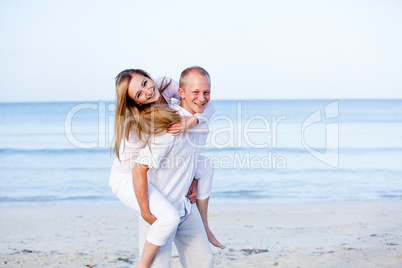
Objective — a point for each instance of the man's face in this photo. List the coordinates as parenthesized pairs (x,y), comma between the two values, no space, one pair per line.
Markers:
(196,93)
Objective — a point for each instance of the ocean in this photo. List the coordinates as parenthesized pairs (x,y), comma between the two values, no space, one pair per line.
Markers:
(264,151)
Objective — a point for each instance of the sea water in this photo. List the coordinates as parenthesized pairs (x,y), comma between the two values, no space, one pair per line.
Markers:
(264,151)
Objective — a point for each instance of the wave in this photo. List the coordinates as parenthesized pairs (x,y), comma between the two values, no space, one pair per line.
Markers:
(302,150)
(55,151)
(301,171)
(206,150)
(99,169)
(53,198)
(283,197)
(350,171)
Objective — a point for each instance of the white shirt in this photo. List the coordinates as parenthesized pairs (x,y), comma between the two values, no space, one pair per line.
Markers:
(202,130)
(130,147)
(171,161)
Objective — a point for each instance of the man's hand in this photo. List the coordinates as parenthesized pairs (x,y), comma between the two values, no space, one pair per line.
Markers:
(185,124)
(148,217)
(192,191)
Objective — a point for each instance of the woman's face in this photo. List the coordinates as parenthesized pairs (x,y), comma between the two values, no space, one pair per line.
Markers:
(143,90)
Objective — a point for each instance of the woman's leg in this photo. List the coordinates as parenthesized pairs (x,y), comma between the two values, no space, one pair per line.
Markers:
(148,252)
(205,172)
(167,217)
(167,220)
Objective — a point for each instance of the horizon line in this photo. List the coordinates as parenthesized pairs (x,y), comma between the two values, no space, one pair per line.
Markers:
(279,99)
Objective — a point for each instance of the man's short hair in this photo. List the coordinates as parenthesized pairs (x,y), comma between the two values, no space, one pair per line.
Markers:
(186,72)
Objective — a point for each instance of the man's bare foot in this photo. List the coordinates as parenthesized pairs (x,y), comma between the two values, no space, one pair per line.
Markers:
(214,241)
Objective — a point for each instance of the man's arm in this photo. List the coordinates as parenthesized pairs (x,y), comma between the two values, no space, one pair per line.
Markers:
(140,183)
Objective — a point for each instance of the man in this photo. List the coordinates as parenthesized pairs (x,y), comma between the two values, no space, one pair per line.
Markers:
(169,164)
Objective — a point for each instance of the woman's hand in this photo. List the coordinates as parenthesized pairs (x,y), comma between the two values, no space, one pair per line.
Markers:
(148,217)
(192,191)
(186,123)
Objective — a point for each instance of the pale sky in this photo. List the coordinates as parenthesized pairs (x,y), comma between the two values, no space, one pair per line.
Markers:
(72,50)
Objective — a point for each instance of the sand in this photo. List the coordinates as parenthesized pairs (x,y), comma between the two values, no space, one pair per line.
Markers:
(348,234)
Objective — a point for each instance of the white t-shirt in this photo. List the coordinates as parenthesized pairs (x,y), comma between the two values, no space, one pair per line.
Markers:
(130,147)
(172,161)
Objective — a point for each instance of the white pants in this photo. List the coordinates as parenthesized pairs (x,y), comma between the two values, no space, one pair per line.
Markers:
(167,216)
(190,239)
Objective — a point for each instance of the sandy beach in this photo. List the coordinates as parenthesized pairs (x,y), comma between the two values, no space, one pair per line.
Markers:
(348,234)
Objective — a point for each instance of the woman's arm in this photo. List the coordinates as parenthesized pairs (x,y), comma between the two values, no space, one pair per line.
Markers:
(189,123)
(172,91)
(140,183)
(185,124)
(202,120)
(206,114)
(198,123)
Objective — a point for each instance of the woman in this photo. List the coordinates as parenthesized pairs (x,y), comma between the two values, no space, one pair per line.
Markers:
(136,118)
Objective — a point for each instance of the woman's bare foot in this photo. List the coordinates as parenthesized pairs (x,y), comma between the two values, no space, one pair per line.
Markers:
(212,239)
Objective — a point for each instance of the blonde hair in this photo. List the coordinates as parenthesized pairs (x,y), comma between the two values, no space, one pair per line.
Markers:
(148,119)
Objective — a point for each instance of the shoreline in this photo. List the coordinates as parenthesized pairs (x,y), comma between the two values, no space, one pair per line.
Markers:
(215,201)
(330,234)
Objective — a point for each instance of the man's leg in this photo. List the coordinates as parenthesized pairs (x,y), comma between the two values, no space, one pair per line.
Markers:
(192,242)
